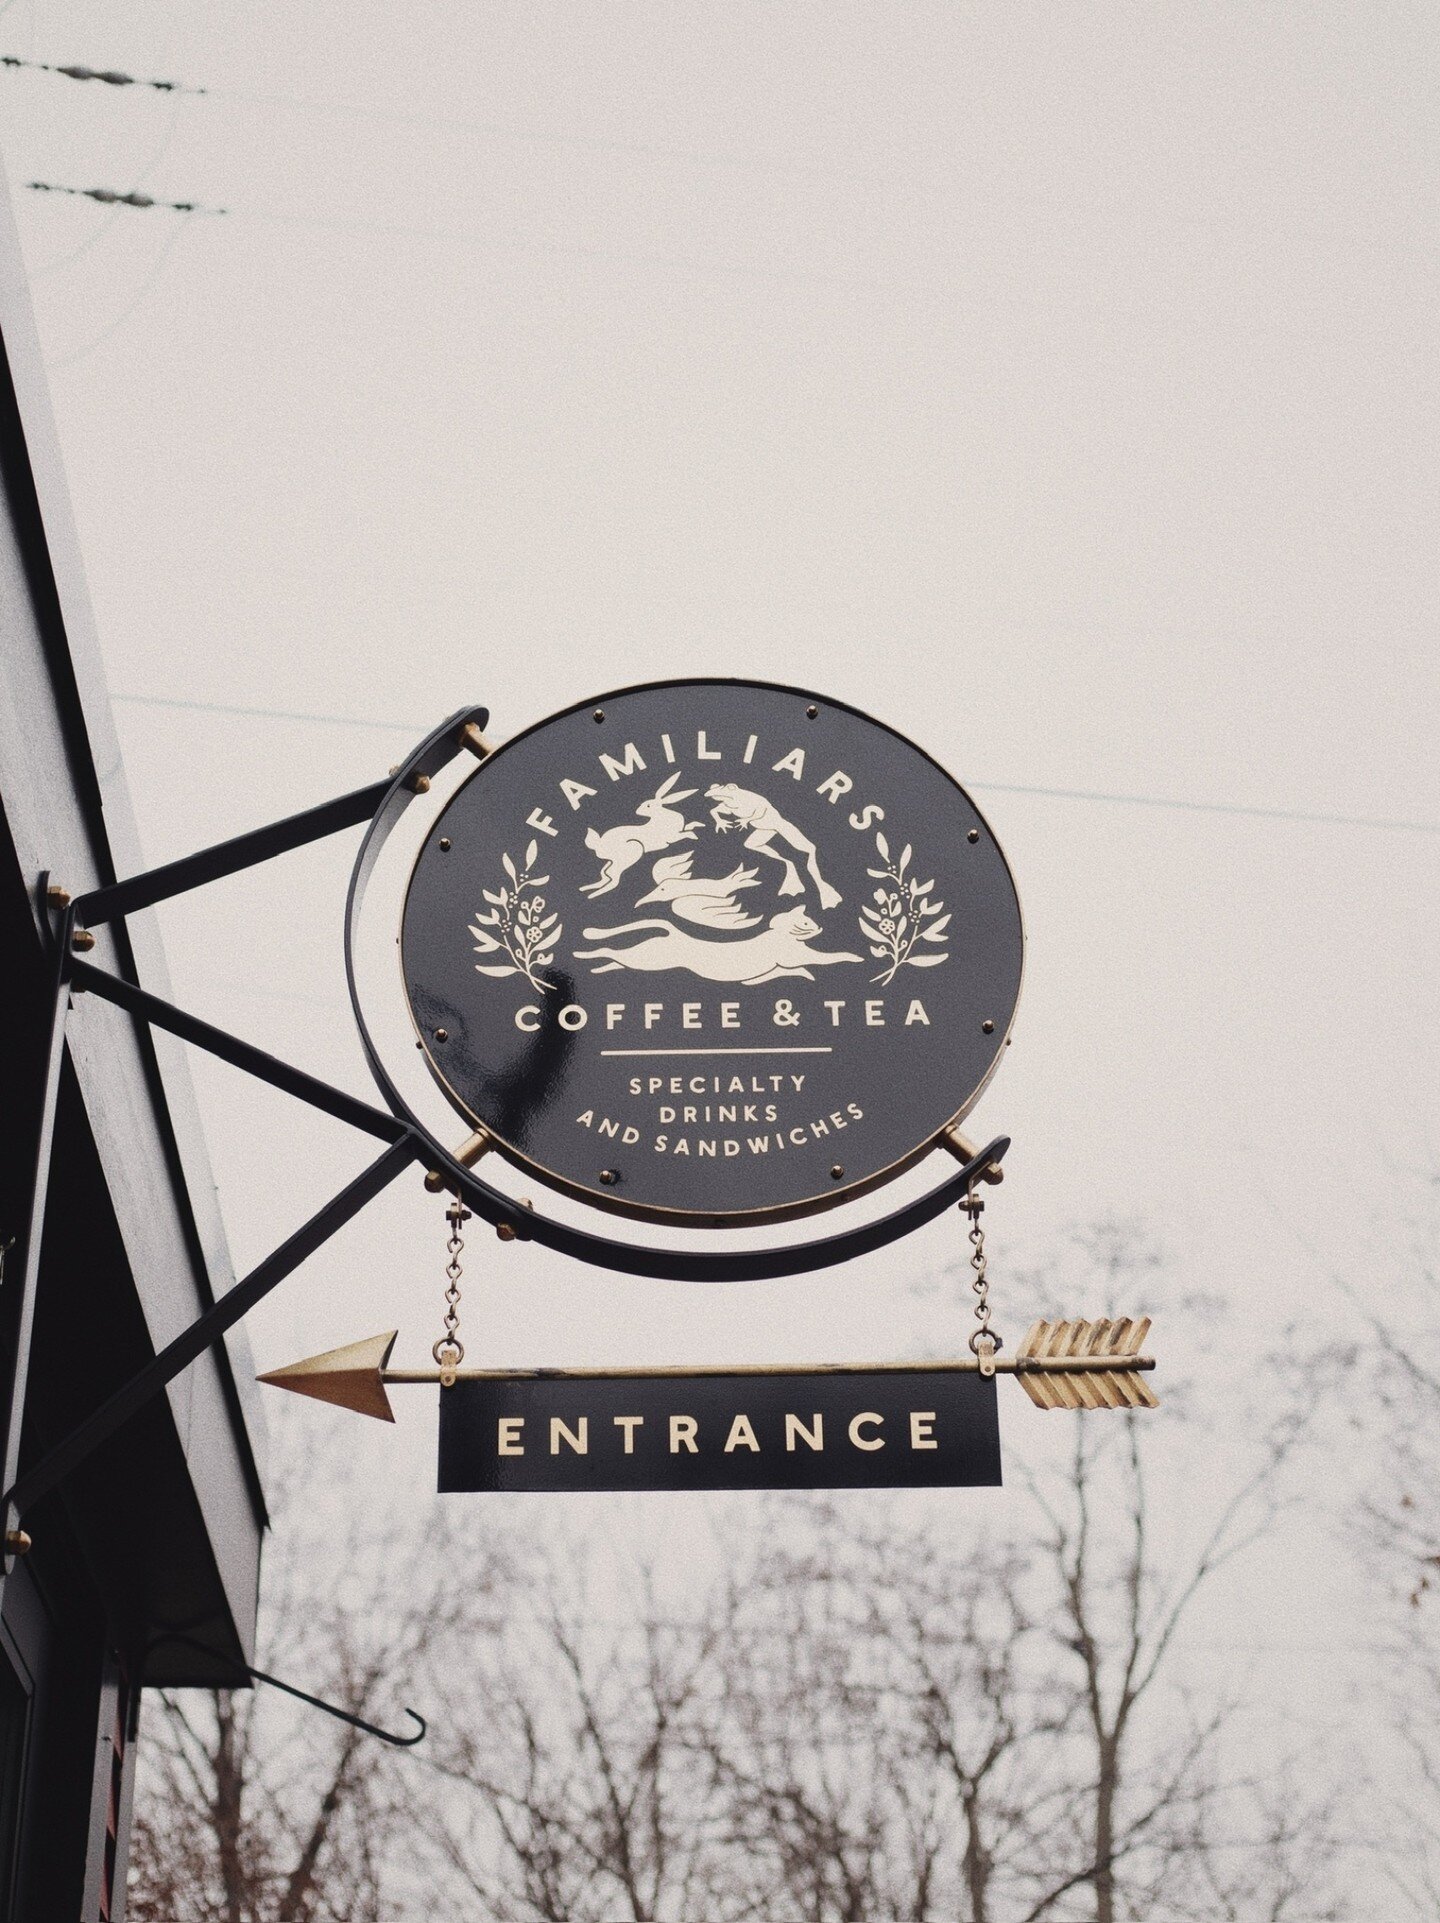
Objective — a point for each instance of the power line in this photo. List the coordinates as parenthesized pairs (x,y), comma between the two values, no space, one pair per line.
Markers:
(491,243)
(414,729)
(1215,807)
(418,728)
(767,165)
(102,227)
(112,197)
(430,122)
(109,76)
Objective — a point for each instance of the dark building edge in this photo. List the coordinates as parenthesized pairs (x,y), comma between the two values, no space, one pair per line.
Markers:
(162,1531)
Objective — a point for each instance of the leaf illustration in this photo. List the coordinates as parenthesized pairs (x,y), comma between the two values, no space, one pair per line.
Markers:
(926,961)
(523,931)
(937,933)
(883,845)
(878,953)
(905,857)
(923,887)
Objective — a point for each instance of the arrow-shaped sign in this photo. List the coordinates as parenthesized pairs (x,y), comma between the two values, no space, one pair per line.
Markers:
(1062,1365)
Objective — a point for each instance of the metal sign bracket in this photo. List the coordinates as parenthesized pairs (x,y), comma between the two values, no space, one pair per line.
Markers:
(381,804)
(71,922)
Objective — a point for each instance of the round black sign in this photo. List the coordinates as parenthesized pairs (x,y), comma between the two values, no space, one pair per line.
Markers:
(712,951)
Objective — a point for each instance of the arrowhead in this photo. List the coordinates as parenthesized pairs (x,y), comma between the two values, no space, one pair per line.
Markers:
(352,1377)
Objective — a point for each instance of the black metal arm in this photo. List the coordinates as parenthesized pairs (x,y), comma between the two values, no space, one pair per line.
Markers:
(244,1055)
(229,857)
(149,1381)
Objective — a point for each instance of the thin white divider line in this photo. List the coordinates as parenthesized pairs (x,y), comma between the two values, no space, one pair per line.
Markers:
(717,1051)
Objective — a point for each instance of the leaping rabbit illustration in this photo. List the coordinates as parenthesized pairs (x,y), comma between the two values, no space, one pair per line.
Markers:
(663,824)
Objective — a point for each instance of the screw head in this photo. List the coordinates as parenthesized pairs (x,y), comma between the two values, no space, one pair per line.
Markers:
(442,1034)
(811,711)
(974,835)
(599,714)
(836,1172)
(504,1231)
(608,1177)
(445,844)
(57,896)
(987,1028)
(82,941)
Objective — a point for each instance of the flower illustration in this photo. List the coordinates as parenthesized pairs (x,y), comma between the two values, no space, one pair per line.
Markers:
(900,913)
(517,924)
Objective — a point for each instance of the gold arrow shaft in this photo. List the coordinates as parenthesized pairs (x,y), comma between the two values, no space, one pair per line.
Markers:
(964,1365)
(1090,1376)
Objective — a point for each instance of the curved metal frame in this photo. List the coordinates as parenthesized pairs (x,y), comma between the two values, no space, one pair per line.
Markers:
(604,1251)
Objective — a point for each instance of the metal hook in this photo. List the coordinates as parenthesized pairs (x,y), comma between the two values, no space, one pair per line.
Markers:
(315,1702)
(343,1715)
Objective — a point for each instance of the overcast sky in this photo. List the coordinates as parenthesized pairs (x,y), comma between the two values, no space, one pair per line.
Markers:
(1057,382)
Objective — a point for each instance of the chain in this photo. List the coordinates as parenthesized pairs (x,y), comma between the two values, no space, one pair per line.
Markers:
(449,1351)
(984,1341)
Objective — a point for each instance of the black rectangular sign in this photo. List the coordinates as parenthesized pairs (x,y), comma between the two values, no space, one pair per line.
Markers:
(853,1430)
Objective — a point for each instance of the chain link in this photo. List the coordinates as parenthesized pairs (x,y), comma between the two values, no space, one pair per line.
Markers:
(449,1351)
(984,1341)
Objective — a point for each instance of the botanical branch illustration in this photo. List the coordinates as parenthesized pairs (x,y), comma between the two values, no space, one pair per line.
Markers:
(520,925)
(900,916)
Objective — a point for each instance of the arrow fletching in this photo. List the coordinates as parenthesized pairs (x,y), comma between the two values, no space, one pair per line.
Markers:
(1096,1365)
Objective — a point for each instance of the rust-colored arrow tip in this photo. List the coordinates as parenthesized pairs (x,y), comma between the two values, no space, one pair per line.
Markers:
(351,1378)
